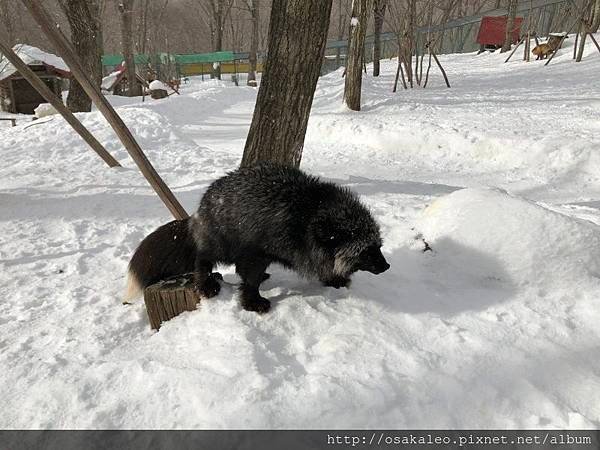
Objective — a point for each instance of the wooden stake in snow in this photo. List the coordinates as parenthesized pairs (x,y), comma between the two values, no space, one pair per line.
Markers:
(167,299)
(64,49)
(515,49)
(57,103)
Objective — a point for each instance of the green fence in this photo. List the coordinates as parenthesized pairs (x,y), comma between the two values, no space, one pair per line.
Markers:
(165,58)
(115,60)
(205,58)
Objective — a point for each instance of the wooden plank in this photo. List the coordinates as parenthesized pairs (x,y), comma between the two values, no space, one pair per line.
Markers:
(13,121)
(41,87)
(64,50)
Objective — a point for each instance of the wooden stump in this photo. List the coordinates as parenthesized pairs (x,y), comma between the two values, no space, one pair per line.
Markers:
(157,94)
(555,41)
(167,299)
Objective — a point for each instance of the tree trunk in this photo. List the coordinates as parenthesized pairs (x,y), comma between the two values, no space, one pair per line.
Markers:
(582,39)
(86,37)
(220,10)
(340,31)
(126,22)
(6,17)
(410,40)
(143,31)
(297,37)
(596,18)
(527,36)
(378,16)
(419,75)
(510,25)
(356,43)
(585,28)
(254,12)
(219,22)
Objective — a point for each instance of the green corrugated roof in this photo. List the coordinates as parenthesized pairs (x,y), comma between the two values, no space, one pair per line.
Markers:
(111,60)
(115,60)
(197,58)
(205,58)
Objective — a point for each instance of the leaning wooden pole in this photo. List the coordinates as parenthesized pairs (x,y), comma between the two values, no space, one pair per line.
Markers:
(56,38)
(515,49)
(591,35)
(57,103)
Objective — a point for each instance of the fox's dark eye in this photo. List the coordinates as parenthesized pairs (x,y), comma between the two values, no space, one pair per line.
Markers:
(371,251)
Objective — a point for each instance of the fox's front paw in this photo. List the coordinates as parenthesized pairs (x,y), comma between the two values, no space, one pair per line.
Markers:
(337,282)
(256,303)
(210,287)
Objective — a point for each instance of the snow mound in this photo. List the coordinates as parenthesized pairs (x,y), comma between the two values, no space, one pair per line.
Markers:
(157,84)
(534,244)
(44,110)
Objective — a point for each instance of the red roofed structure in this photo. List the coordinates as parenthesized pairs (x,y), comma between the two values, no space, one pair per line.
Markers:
(492,30)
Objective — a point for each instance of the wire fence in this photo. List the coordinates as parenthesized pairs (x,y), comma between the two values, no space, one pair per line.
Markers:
(458,35)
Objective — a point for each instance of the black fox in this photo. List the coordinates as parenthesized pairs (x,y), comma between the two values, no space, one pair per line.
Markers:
(260,215)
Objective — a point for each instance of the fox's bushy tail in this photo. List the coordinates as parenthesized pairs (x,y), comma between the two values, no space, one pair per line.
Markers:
(166,252)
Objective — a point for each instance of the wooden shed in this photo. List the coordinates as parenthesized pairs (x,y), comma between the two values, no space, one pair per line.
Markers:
(16,94)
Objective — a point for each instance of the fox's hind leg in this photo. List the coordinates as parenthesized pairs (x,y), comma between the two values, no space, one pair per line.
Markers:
(252,272)
(206,281)
(264,277)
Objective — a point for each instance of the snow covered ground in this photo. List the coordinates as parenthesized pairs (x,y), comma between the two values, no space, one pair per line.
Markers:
(497,326)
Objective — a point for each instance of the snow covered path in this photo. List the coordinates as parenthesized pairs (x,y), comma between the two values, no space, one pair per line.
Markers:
(496,327)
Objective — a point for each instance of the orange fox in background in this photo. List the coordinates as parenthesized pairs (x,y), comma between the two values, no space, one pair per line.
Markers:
(542,50)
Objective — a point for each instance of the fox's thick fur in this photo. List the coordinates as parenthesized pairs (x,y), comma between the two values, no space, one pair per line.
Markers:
(166,252)
(256,216)
(542,50)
